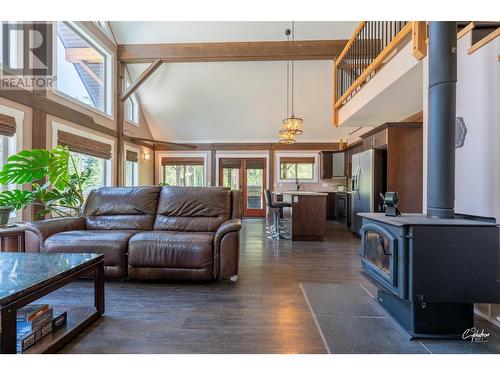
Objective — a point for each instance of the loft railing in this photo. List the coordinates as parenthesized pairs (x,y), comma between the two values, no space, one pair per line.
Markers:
(367,50)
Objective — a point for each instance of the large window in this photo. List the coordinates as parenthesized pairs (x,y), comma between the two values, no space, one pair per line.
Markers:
(83,68)
(10,50)
(183,172)
(88,152)
(98,167)
(132,107)
(292,168)
(10,125)
(131,168)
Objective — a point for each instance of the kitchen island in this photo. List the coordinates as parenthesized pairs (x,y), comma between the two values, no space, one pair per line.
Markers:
(308,214)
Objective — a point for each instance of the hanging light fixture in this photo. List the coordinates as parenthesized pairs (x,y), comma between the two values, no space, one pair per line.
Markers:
(286,137)
(294,125)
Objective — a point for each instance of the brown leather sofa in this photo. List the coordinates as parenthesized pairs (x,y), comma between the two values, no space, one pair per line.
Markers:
(151,232)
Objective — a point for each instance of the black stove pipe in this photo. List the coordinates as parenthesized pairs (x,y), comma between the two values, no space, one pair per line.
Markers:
(441,120)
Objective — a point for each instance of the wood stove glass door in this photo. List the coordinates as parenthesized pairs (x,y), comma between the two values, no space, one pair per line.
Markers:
(379,252)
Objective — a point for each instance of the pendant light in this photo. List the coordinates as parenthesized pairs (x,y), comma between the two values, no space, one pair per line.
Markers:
(294,125)
(286,137)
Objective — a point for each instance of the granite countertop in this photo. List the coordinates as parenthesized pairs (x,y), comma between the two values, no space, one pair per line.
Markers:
(23,273)
(299,192)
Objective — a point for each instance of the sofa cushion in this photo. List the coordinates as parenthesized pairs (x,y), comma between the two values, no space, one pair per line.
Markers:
(112,243)
(167,249)
(122,208)
(192,209)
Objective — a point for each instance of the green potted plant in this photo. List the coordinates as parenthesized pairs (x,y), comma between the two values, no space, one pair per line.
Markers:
(52,179)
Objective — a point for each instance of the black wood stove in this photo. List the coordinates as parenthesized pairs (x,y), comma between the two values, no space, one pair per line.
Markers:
(431,269)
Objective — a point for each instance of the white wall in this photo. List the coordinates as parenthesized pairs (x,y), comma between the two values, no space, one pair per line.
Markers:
(477,168)
(478,102)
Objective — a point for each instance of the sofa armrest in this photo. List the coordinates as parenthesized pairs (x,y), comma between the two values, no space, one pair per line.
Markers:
(227,250)
(38,231)
(232,225)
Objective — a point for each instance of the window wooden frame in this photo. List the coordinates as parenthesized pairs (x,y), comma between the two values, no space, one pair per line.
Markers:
(109,71)
(293,157)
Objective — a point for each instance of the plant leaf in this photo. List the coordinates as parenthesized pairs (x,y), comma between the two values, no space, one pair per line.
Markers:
(16,198)
(25,167)
(58,170)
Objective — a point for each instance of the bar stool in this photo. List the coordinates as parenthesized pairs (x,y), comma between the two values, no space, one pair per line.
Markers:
(277,230)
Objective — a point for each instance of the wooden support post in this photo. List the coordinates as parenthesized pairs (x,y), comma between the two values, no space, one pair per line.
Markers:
(419,36)
(271,167)
(142,78)
(213,167)
(120,114)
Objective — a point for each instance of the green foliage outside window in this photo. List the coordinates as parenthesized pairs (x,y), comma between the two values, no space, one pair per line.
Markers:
(303,171)
(183,175)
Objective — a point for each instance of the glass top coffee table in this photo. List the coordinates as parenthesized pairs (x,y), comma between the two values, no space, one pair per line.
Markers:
(27,277)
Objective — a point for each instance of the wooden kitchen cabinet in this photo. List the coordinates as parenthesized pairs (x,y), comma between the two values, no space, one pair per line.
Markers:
(338,164)
(330,206)
(332,164)
(379,140)
(326,164)
(404,159)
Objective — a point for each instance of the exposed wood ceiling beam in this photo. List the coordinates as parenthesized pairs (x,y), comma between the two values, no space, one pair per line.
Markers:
(143,77)
(154,143)
(231,51)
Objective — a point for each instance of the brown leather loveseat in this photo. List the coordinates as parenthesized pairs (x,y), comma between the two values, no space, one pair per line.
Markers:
(151,232)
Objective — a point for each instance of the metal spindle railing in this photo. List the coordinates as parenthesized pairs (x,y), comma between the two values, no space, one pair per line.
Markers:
(355,63)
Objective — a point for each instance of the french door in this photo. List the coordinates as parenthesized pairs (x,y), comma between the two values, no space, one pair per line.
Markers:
(249,176)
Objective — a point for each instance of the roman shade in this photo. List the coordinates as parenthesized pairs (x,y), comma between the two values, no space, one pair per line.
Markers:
(255,163)
(298,160)
(182,161)
(230,163)
(132,156)
(82,145)
(7,125)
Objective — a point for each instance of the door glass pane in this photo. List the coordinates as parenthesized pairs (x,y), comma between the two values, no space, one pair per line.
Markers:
(377,249)
(255,186)
(231,178)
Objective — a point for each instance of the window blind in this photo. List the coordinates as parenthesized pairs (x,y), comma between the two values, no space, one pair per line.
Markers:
(182,161)
(132,156)
(77,143)
(7,125)
(298,160)
(230,163)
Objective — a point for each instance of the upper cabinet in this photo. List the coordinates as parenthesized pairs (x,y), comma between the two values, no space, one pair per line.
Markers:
(338,164)
(332,164)
(326,164)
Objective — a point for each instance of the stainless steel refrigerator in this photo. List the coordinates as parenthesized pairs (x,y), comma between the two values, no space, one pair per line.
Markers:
(368,181)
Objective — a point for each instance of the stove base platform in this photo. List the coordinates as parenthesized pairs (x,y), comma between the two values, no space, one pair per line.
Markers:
(429,320)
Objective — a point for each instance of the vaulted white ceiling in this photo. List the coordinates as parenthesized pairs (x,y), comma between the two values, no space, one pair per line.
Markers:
(233,101)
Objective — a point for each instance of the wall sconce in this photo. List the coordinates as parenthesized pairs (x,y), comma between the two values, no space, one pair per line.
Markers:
(146,155)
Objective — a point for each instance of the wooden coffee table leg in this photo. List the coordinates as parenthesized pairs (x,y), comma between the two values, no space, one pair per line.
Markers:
(99,288)
(8,329)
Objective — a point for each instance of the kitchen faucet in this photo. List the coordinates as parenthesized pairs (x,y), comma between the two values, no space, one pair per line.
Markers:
(298,184)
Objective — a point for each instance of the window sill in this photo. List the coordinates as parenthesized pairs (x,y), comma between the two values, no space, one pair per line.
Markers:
(64,96)
(131,123)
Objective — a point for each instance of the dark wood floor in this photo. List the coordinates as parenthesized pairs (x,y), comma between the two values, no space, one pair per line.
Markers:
(264,312)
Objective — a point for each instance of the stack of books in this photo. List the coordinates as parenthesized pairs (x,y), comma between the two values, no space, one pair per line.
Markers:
(34,322)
